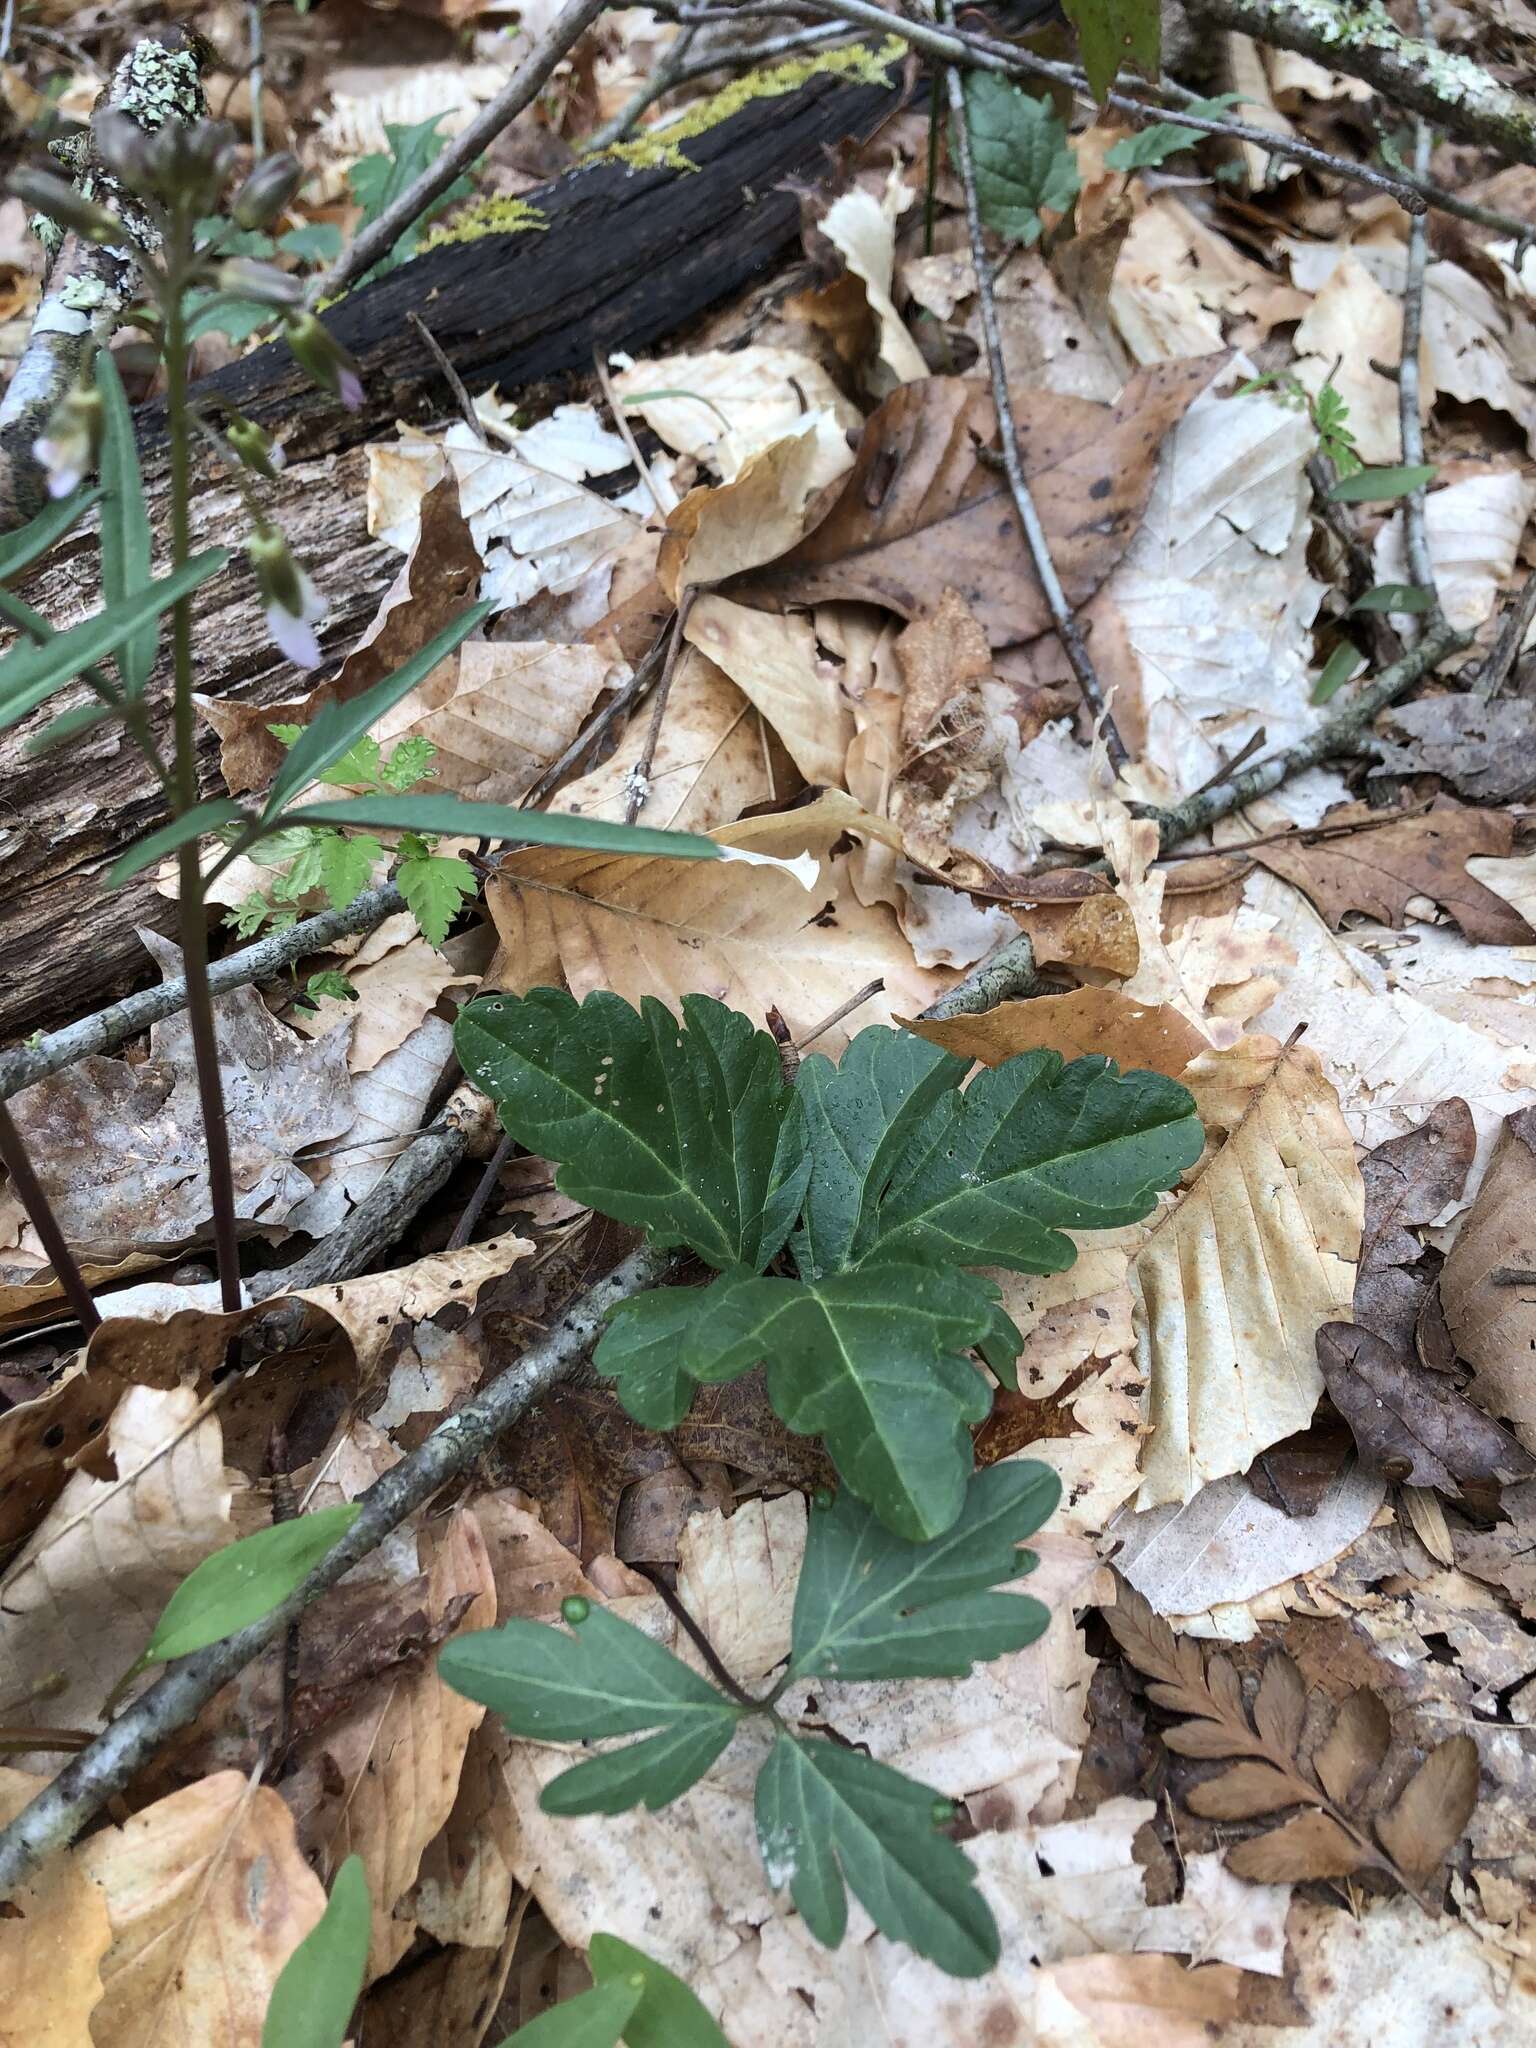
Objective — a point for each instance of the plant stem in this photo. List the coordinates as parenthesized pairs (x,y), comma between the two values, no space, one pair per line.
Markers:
(192,916)
(29,1192)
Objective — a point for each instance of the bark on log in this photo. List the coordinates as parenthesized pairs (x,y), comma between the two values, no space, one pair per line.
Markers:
(628,258)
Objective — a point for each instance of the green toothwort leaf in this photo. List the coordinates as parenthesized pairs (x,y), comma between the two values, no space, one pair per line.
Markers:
(602,1677)
(872,1606)
(1154,144)
(668,2015)
(1021,156)
(436,886)
(872,1361)
(1112,33)
(598,2018)
(1378,486)
(828,1816)
(344,865)
(245,1581)
(644,1347)
(859,1117)
(126,556)
(322,1980)
(686,1130)
(1032,1148)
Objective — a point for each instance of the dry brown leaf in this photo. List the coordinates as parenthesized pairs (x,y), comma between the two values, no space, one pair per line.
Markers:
(1091,928)
(1483,748)
(371,1308)
(750,937)
(51,1943)
(1473,530)
(389,1106)
(1412,1424)
(712,762)
(499,712)
(82,1599)
(1311,1845)
(1353,324)
(1247,1790)
(1381,867)
(436,583)
(736,1576)
(1152,2000)
(1412,1180)
(948,751)
(920,511)
(1355,1747)
(1239,1271)
(119,1146)
(1431,1813)
(208,1897)
(728,404)
(1488,1285)
(1140,1036)
(776,663)
(755,518)
(862,229)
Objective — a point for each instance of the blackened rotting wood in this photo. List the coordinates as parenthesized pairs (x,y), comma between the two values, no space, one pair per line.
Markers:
(627,258)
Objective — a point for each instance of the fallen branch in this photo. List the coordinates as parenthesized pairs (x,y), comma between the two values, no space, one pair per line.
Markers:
(1068,632)
(1364,42)
(1337,735)
(530,78)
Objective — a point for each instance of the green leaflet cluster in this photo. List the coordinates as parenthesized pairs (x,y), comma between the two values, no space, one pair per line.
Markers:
(829,1819)
(881,1179)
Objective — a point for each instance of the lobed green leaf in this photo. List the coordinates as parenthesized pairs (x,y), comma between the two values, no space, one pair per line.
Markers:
(1021,156)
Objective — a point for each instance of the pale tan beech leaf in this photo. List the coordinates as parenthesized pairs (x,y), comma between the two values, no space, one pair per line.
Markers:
(1240,1270)
(749,936)
(776,663)
(756,517)
(208,1896)
(727,404)
(52,1945)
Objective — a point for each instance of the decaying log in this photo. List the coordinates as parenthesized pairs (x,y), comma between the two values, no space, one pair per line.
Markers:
(627,258)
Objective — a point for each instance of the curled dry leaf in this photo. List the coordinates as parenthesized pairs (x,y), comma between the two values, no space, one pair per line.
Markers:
(726,405)
(1482,748)
(1488,1285)
(1412,1180)
(1409,1423)
(920,510)
(758,516)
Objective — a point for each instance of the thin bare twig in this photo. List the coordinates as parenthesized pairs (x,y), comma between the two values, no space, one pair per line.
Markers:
(1068,631)
(1494,672)
(843,1010)
(451,378)
(625,701)
(376,241)
(474,1208)
(615,405)
(1410,426)
(640,774)
(668,73)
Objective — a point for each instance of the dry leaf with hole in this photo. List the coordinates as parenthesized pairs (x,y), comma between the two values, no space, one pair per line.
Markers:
(1382,866)
(208,1896)
(920,511)
(1488,1286)
(400,978)
(52,1943)
(726,405)
(750,937)
(776,663)
(948,749)
(1412,1424)
(1241,1268)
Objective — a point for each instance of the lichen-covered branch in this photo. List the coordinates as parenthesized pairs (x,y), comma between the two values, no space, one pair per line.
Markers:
(89,285)
(1410,73)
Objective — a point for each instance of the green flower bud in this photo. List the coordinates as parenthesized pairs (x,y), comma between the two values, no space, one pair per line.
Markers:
(267,191)
(318,351)
(68,447)
(59,201)
(249,278)
(190,166)
(253,445)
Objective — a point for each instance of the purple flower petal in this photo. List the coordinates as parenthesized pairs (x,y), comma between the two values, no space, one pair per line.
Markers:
(349,389)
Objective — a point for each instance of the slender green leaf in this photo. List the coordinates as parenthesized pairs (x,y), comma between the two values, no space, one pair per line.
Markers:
(871,1360)
(859,1118)
(869,1605)
(686,1130)
(828,1816)
(29,543)
(28,674)
(668,2015)
(1395,597)
(18,613)
(1021,156)
(1111,33)
(245,1581)
(312,2000)
(1034,1148)
(504,821)
(593,2019)
(126,543)
(194,824)
(70,725)
(336,727)
(1377,486)
(599,1677)
(651,1772)
(1336,671)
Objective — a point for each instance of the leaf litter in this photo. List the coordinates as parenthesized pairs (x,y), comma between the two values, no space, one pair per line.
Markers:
(1289,1408)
